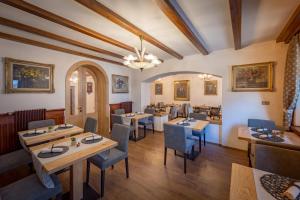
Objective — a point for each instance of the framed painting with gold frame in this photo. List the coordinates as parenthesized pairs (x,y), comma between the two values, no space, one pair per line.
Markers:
(255,77)
(28,77)
(182,90)
(158,88)
(211,87)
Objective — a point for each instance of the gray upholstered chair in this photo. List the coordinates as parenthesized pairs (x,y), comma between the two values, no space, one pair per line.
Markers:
(119,111)
(199,116)
(41,123)
(14,159)
(178,138)
(173,112)
(90,125)
(117,119)
(120,134)
(277,160)
(148,121)
(258,123)
(30,188)
(261,123)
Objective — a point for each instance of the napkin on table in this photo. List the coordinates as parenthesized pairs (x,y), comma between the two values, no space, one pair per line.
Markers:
(93,138)
(53,150)
(293,191)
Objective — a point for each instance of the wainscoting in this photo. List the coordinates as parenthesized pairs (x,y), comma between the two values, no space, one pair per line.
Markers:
(127,106)
(11,123)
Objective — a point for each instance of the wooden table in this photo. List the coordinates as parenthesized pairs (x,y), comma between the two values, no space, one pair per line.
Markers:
(242,186)
(291,140)
(73,160)
(200,126)
(30,141)
(135,120)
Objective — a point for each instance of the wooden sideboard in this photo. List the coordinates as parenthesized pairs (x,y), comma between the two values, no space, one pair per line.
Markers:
(127,106)
(9,140)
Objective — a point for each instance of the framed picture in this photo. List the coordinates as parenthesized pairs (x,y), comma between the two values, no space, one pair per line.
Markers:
(211,87)
(158,88)
(89,87)
(182,90)
(24,76)
(119,84)
(252,77)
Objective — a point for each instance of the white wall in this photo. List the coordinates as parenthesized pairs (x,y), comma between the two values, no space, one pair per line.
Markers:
(197,96)
(237,106)
(62,62)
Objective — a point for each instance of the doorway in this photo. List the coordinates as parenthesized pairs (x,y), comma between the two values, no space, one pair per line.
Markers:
(87,95)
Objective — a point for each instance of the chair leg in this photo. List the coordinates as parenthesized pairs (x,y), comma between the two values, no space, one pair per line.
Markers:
(112,167)
(145,130)
(126,166)
(88,167)
(249,154)
(59,196)
(175,152)
(165,157)
(102,182)
(153,128)
(185,155)
(200,146)
(204,140)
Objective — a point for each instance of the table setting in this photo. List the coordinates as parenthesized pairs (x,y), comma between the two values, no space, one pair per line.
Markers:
(267,134)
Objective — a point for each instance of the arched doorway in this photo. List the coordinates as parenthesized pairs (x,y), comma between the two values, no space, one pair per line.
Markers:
(87,95)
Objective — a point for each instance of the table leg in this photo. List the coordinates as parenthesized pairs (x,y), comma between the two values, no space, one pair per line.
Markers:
(136,125)
(76,181)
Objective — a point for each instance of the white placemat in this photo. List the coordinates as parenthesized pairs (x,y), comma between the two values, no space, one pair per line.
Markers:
(261,193)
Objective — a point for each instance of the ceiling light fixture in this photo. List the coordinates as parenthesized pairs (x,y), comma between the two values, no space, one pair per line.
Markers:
(141,60)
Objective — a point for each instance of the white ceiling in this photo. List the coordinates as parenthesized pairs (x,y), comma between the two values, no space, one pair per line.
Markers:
(262,20)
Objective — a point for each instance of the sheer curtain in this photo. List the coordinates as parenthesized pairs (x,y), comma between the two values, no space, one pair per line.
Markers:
(291,88)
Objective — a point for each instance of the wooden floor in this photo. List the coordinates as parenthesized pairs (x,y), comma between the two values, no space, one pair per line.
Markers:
(208,177)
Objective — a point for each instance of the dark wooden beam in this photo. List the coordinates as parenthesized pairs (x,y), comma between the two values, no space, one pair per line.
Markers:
(53,36)
(32,9)
(236,22)
(175,14)
(117,19)
(291,28)
(53,47)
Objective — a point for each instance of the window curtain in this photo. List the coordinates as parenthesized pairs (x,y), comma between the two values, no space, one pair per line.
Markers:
(291,88)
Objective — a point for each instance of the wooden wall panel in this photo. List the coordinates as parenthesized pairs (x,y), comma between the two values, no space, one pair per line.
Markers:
(9,140)
(127,106)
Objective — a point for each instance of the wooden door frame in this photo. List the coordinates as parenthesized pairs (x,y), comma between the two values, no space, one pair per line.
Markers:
(102,93)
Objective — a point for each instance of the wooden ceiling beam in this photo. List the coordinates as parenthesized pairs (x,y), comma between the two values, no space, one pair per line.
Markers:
(31,29)
(291,28)
(54,47)
(236,22)
(35,10)
(175,14)
(119,20)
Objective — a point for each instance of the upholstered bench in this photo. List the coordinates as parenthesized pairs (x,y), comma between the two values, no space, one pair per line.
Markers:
(13,160)
(30,188)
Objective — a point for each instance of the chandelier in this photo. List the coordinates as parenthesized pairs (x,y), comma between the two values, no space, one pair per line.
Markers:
(141,60)
(205,76)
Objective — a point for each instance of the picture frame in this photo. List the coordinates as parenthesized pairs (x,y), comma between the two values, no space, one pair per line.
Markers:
(256,77)
(182,90)
(120,84)
(28,77)
(158,88)
(211,87)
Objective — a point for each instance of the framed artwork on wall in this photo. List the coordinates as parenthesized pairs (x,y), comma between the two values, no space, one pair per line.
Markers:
(158,88)
(182,90)
(120,84)
(28,77)
(211,87)
(252,77)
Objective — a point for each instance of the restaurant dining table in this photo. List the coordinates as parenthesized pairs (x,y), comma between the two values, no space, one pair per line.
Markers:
(134,118)
(73,158)
(56,132)
(196,125)
(253,184)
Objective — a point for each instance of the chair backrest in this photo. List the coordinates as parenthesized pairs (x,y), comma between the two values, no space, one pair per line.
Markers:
(116,119)
(173,112)
(278,160)
(119,111)
(120,133)
(41,123)
(90,125)
(261,123)
(150,111)
(160,104)
(175,136)
(198,116)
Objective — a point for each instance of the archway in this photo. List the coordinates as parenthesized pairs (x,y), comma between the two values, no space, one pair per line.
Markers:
(101,93)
